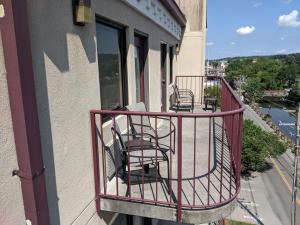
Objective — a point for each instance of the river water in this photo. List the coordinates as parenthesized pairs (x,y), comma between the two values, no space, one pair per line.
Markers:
(281,113)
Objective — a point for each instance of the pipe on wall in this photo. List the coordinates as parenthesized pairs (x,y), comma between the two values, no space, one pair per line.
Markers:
(20,80)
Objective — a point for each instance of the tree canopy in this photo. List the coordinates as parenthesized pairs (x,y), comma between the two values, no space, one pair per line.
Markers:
(264,73)
(258,145)
(270,73)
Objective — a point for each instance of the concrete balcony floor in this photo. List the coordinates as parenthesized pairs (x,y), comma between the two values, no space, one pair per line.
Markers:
(197,191)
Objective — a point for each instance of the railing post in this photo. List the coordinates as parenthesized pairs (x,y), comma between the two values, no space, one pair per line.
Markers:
(241,130)
(95,161)
(179,168)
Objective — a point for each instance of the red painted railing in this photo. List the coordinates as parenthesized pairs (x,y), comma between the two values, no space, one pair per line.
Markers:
(190,181)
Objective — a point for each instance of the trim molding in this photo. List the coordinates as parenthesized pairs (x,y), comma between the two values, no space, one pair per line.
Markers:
(174,9)
(166,14)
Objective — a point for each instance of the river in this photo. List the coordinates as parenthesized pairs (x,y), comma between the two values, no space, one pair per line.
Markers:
(281,112)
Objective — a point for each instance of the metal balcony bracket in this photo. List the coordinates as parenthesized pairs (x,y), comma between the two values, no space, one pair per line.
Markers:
(22,175)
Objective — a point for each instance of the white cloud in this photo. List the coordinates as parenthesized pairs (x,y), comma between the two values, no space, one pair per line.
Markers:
(282,38)
(290,20)
(287,1)
(232,43)
(282,51)
(245,30)
(258,4)
(210,43)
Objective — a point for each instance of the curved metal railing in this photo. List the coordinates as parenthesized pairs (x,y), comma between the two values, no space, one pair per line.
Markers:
(203,154)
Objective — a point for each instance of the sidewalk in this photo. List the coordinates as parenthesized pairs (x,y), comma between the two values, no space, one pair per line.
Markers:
(253,206)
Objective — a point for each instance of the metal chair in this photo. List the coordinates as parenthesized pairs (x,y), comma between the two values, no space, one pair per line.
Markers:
(138,152)
(143,123)
(184,98)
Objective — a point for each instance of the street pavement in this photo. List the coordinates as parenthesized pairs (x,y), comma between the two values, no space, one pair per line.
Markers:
(253,205)
(277,182)
(249,113)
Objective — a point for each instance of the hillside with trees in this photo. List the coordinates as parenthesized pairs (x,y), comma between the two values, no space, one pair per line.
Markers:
(262,73)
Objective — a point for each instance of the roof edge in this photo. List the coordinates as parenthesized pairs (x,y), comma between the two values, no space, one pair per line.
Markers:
(175,11)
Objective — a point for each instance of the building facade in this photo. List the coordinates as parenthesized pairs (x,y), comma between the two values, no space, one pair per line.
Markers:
(54,71)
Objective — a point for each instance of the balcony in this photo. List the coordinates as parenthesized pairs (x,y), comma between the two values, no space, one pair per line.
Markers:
(194,172)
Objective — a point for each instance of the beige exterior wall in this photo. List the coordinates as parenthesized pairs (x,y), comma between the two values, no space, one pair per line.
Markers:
(67,87)
(117,11)
(193,10)
(191,59)
(11,202)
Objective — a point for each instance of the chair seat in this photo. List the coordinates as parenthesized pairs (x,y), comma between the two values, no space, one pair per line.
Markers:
(149,156)
(137,143)
(162,132)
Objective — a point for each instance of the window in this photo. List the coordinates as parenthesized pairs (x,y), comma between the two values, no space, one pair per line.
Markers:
(111,62)
(141,76)
(171,55)
(147,221)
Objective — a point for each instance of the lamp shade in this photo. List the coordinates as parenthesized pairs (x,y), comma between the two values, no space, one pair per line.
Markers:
(83,11)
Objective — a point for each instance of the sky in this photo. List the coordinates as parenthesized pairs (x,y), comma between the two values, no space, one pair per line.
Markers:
(252,27)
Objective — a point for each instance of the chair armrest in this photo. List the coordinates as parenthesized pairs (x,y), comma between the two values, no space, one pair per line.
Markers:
(171,122)
(173,130)
(108,149)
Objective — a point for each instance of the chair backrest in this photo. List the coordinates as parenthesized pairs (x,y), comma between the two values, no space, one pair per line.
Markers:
(176,92)
(113,153)
(140,107)
(116,132)
(136,121)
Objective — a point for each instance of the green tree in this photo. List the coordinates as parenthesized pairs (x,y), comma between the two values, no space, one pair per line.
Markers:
(253,89)
(257,146)
(273,72)
(215,64)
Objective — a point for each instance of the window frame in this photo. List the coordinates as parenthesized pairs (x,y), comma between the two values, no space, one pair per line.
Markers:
(123,51)
(145,49)
(171,64)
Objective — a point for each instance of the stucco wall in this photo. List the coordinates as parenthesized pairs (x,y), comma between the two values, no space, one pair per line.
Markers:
(11,203)
(67,87)
(115,10)
(193,11)
(192,54)
(192,50)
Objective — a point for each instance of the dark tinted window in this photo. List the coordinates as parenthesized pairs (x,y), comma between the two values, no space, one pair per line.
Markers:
(110,48)
(171,54)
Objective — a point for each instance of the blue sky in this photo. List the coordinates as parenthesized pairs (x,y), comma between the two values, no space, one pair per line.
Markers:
(252,27)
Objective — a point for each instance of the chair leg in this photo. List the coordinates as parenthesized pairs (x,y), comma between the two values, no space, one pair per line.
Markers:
(193,104)
(146,168)
(158,169)
(124,164)
(168,182)
(174,141)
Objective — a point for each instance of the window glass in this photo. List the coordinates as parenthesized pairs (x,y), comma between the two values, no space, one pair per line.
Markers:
(109,48)
(137,73)
(171,54)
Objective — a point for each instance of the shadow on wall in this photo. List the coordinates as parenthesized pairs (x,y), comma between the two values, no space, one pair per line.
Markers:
(50,23)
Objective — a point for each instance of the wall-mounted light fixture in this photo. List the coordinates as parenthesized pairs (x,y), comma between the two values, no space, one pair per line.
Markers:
(2,12)
(82,12)
(177,49)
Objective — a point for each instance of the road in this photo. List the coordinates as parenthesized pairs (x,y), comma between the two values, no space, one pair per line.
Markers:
(278,178)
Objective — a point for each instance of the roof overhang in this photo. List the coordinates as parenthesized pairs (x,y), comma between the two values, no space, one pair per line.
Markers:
(175,11)
(165,13)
